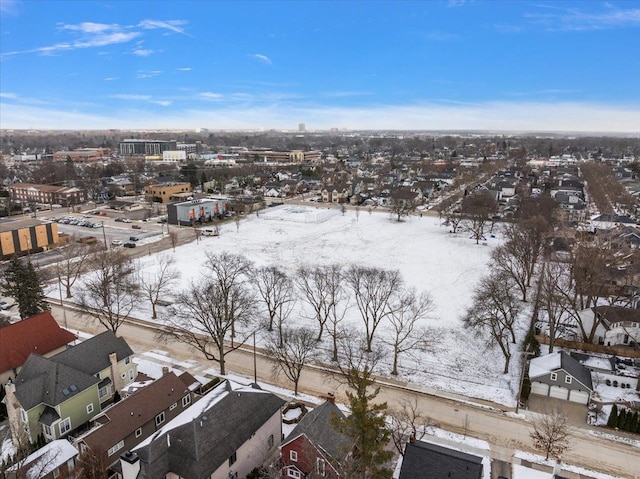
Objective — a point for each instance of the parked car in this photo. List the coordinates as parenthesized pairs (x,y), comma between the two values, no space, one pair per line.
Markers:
(136,227)
(129,245)
(126,220)
(5,305)
(116,242)
(133,238)
(119,220)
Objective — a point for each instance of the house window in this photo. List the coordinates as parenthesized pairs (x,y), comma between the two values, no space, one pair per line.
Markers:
(567,379)
(123,375)
(233,459)
(97,375)
(127,360)
(160,418)
(320,467)
(89,408)
(65,426)
(47,430)
(103,392)
(173,406)
(139,432)
(270,441)
(186,401)
(294,473)
(293,455)
(112,450)
(554,376)
(23,415)
(130,374)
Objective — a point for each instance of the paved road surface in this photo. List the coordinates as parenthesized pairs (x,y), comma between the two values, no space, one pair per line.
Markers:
(504,432)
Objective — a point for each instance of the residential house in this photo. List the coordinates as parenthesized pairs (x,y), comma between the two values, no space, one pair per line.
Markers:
(608,222)
(315,446)
(166,192)
(225,435)
(615,325)
(423,460)
(55,396)
(598,364)
(39,334)
(339,193)
(127,423)
(55,459)
(558,375)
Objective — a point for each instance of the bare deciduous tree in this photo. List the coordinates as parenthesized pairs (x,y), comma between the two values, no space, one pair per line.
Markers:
(71,265)
(373,291)
(476,209)
(210,310)
(407,421)
(292,352)
(494,311)
(554,301)
(401,203)
(173,238)
(407,335)
(276,290)
(111,290)
(162,282)
(550,433)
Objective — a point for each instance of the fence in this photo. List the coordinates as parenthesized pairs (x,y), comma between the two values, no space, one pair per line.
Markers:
(625,351)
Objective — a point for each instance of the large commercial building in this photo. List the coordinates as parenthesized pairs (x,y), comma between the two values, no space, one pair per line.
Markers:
(29,193)
(27,236)
(187,213)
(84,155)
(294,156)
(134,147)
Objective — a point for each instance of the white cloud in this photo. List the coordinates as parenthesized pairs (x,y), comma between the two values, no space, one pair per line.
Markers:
(262,58)
(161,102)
(574,19)
(111,78)
(127,96)
(171,25)
(493,116)
(147,73)
(8,95)
(9,7)
(185,69)
(142,52)
(207,95)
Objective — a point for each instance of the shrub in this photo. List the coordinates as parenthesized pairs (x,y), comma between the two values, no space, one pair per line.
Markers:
(623,385)
(613,417)
(608,381)
(622,417)
(615,383)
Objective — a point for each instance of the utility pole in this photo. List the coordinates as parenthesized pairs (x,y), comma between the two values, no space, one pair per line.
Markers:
(104,236)
(524,363)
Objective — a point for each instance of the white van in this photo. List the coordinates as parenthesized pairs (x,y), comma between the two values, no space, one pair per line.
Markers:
(209,232)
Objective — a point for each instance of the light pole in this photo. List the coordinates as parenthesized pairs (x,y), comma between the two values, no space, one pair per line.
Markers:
(524,362)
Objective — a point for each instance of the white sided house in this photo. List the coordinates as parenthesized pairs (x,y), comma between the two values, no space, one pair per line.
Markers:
(614,325)
(560,376)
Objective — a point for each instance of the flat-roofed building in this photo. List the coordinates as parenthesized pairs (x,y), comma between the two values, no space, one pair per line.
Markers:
(29,193)
(133,147)
(165,192)
(84,155)
(28,236)
(189,212)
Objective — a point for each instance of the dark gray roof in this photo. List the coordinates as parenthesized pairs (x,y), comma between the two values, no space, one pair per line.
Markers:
(92,355)
(428,461)
(48,416)
(575,369)
(318,426)
(42,380)
(201,445)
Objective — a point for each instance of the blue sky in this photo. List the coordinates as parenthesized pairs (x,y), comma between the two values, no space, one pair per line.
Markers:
(486,65)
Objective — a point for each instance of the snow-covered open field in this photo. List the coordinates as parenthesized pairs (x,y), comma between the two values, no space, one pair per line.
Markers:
(428,256)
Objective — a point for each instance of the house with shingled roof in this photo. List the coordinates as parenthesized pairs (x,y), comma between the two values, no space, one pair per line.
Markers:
(39,334)
(315,447)
(226,434)
(423,460)
(127,423)
(560,376)
(55,396)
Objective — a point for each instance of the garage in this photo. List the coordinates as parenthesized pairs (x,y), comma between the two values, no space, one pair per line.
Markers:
(558,392)
(581,397)
(540,388)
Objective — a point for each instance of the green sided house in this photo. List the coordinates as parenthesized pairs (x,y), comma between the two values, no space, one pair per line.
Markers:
(57,395)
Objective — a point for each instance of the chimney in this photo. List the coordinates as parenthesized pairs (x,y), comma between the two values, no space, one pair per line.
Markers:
(412,438)
(557,468)
(331,398)
(130,463)
(165,370)
(13,412)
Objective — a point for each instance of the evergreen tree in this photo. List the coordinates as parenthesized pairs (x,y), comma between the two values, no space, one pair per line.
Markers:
(613,417)
(631,422)
(366,426)
(622,417)
(22,283)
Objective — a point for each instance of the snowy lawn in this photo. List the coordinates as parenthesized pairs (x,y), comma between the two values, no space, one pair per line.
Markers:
(428,256)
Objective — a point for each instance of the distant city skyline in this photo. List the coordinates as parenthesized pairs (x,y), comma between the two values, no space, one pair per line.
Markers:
(317,65)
